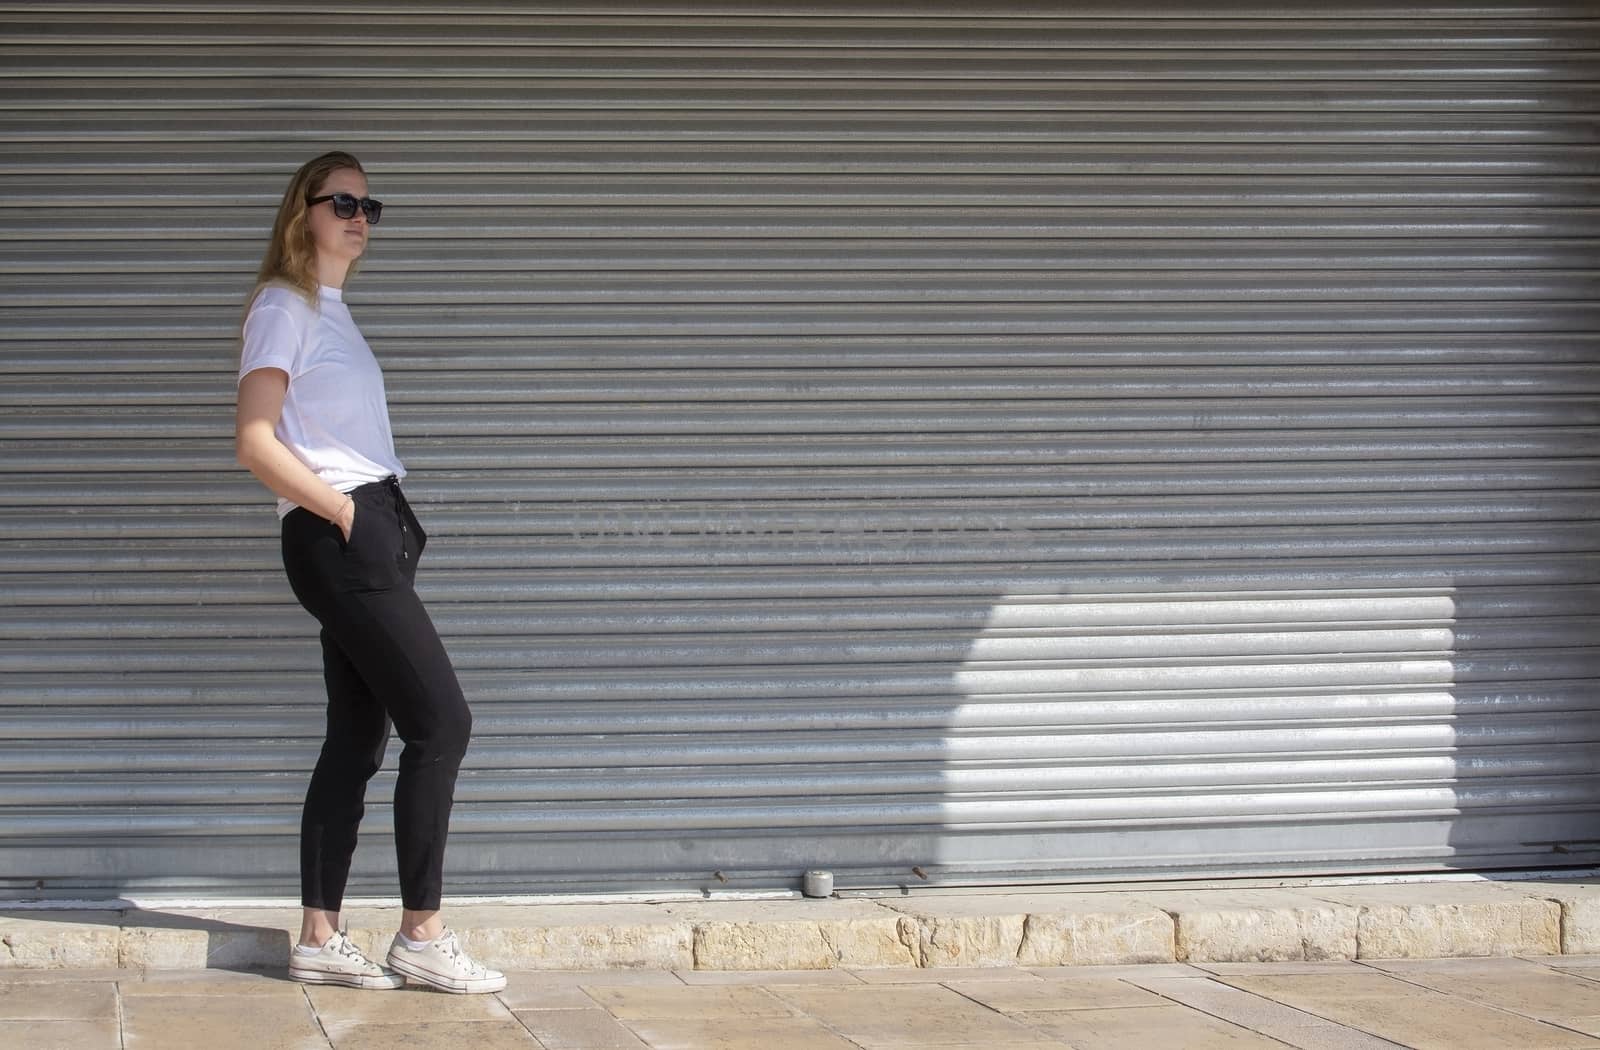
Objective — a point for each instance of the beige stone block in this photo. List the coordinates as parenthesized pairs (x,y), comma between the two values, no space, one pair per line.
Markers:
(1433,931)
(805,944)
(164,949)
(1260,926)
(796,935)
(981,930)
(1580,925)
(877,942)
(54,940)
(761,946)
(571,946)
(1443,920)
(1038,929)
(1580,915)
(1092,938)
(974,940)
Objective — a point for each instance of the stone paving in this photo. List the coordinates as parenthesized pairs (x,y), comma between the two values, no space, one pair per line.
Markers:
(1506,1003)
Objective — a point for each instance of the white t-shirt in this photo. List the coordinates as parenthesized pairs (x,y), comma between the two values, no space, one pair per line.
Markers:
(335,417)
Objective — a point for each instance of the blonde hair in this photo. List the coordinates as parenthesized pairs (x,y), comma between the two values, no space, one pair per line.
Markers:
(291,259)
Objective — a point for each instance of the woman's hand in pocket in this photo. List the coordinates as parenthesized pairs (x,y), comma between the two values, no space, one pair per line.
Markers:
(346,518)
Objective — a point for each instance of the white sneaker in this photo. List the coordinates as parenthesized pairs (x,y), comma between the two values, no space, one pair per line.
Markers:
(443,965)
(339,961)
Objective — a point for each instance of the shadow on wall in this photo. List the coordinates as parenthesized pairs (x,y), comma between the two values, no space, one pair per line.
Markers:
(1203,711)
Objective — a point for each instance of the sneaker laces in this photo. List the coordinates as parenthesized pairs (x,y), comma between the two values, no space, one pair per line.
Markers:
(451,947)
(347,948)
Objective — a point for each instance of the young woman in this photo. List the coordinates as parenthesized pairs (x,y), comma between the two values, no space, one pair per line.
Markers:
(313,426)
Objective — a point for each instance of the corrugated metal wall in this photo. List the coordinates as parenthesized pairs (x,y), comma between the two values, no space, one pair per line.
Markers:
(1052,443)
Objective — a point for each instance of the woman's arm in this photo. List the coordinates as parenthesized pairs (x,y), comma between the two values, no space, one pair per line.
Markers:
(261,394)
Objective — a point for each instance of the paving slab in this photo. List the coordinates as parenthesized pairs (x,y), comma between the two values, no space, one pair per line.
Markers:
(1139,1027)
(67,975)
(1263,1016)
(593,1029)
(1100,972)
(1495,964)
(476,1035)
(1459,1004)
(1548,996)
(891,1017)
(192,1022)
(766,977)
(213,982)
(61,1035)
(940,974)
(1286,967)
(1009,997)
(685,1002)
(722,1033)
(337,1006)
(1412,1016)
(80,1001)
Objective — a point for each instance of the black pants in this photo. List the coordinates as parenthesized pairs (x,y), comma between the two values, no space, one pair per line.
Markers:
(383,663)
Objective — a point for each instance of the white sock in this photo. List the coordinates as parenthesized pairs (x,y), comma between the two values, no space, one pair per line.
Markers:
(306,949)
(415,946)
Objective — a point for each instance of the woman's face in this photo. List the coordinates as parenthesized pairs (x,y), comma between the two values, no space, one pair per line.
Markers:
(336,238)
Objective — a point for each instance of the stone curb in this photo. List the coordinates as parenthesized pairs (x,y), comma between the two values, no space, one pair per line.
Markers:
(1055,927)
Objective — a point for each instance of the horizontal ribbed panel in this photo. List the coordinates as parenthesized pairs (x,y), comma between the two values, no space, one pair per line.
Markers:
(1017,445)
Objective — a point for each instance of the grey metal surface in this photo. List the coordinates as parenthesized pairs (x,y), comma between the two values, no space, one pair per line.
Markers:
(1011,446)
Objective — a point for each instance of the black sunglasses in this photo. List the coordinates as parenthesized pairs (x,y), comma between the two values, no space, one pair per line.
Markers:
(345,205)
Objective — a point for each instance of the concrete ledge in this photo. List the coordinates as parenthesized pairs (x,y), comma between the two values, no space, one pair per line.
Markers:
(1219,923)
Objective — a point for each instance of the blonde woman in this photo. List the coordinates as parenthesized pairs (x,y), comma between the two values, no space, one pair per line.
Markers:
(313,426)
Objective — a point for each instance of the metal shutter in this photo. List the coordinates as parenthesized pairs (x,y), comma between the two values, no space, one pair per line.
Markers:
(1061,442)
